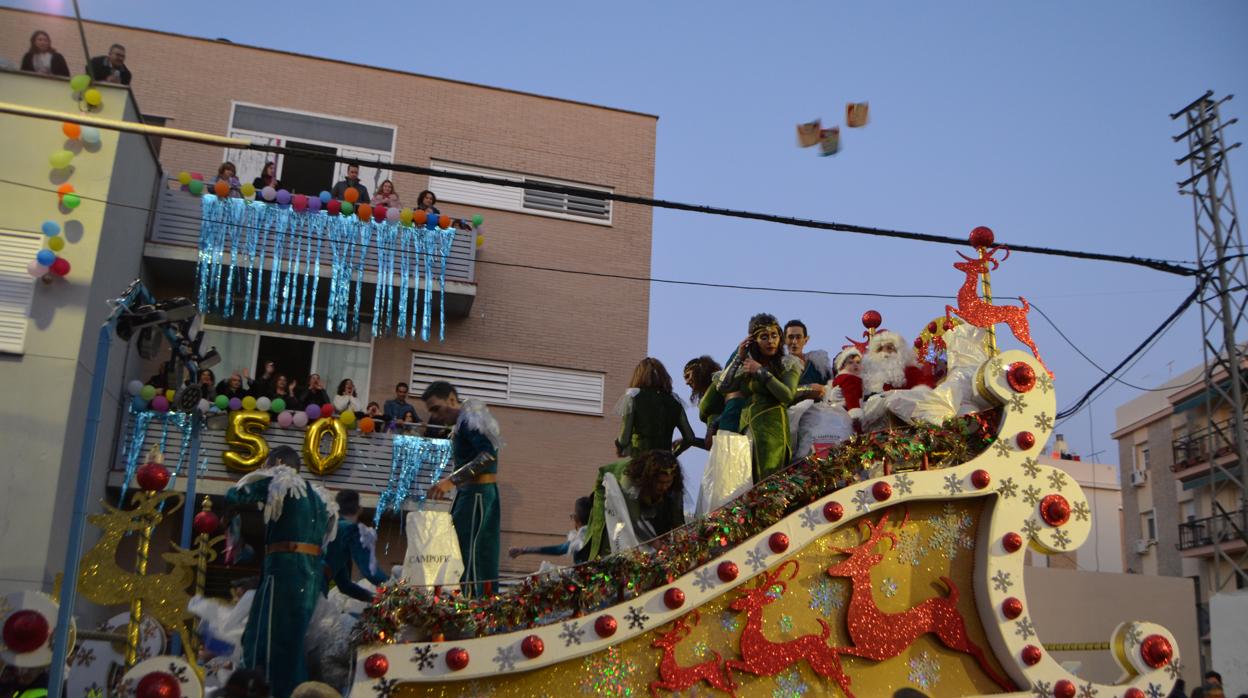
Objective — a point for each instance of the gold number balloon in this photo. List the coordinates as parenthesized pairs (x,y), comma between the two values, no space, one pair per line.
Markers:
(312,458)
(242,433)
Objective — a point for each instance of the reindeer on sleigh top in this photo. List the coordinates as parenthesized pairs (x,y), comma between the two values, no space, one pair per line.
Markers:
(829,578)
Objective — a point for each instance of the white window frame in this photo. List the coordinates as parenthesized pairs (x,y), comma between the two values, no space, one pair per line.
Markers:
(447,165)
(509,369)
(1148,517)
(20,248)
(361,387)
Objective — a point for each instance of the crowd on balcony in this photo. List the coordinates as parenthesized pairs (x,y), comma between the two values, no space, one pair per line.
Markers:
(43,59)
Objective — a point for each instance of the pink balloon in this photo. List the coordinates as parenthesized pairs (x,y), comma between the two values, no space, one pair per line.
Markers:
(285,419)
(36,269)
(160,403)
(300,419)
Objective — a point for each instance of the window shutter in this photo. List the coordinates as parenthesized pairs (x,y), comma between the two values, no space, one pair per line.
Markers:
(516,385)
(16,287)
(523,200)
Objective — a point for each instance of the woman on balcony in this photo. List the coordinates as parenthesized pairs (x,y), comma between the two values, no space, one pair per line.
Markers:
(284,390)
(428,202)
(386,196)
(42,58)
(346,399)
(267,178)
(228,173)
(207,384)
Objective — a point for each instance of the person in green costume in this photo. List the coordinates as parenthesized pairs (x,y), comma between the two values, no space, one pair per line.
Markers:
(654,490)
(353,543)
(300,519)
(769,379)
(699,375)
(651,411)
(474,458)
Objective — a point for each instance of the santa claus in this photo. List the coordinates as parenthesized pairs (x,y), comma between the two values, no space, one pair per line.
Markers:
(890,364)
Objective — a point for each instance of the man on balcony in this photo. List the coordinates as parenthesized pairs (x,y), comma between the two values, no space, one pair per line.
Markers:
(474,462)
(352,182)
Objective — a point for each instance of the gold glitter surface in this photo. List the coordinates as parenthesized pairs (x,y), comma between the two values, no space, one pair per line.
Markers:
(935,541)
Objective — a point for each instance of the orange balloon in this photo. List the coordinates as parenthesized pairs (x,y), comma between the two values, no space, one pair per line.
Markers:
(419,217)
(364,211)
(444,221)
(64,189)
(222,188)
(351,195)
(71,130)
(366,425)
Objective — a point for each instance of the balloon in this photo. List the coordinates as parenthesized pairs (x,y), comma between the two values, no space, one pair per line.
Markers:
(392,215)
(347,418)
(367,426)
(56,244)
(222,188)
(444,222)
(160,403)
(60,267)
(196,175)
(300,419)
(477,220)
(93,97)
(300,202)
(35,269)
(147,392)
(364,211)
(269,193)
(51,228)
(45,257)
(222,402)
(419,217)
(196,187)
(203,406)
(334,207)
(324,464)
(285,419)
(347,208)
(71,201)
(283,197)
(249,403)
(313,412)
(248,449)
(405,216)
(78,83)
(263,404)
(277,405)
(134,387)
(169,395)
(61,159)
(248,190)
(325,197)
(71,130)
(184,178)
(327,410)
(314,204)
(351,195)
(236,404)
(64,189)
(379,213)
(138,404)
(90,135)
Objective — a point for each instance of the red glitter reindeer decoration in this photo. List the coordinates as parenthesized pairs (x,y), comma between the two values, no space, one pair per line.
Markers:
(878,635)
(762,657)
(673,677)
(980,312)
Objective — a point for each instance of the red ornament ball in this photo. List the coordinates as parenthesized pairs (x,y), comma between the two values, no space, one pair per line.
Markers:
(931,327)
(981,479)
(376,665)
(532,647)
(1021,377)
(1032,655)
(1025,440)
(1156,650)
(1011,542)
(1012,608)
(1055,510)
(153,477)
(327,410)
(1064,689)
(871,319)
(158,684)
(881,491)
(982,237)
(25,631)
(457,658)
(1133,692)
(918,343)
(605,626)
(778,542)
(674,598)
(833,511)
(205,523)
(727,571)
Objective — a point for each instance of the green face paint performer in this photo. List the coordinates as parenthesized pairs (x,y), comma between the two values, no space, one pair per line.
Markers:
(300,519)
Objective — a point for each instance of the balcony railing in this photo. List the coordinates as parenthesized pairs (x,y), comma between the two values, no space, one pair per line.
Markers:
(1223,528)
(1196,448)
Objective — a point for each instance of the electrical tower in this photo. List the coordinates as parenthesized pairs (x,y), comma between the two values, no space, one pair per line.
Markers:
(1223,260)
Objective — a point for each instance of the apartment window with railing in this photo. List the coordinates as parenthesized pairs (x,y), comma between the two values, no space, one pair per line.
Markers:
(582,206)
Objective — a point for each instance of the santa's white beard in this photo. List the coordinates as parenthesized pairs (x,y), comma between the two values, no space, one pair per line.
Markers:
(881,369)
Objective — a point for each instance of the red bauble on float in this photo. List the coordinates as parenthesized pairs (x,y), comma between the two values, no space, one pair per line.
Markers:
(982,237)
(1025,440)
(457,658)
(1011,542)
(1055,510)
(674,598)
(981,479)
(833,511)
(1133,692)
(153,477)
(727,571)
(206,523)
(1032,655)
(1064,688)
(1021,377)
(778,542)
(158,684)
(1012,608)
(881,491)
(376,665)
(25,631)
(871,319)
(605,626)
(1156,650)
(532,647)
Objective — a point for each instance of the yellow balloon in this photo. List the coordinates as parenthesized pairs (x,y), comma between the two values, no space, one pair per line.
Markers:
(92,97)
(249,403)
(347,418)
(480,241)
(249,189)
(324,464)
(243,432)
(184,178)
(169,395)
(56,244)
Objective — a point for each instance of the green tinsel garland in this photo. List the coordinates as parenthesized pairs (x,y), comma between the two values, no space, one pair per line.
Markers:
(402,613)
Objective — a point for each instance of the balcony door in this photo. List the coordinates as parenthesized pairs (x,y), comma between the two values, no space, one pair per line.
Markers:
(305,174)
(292,357)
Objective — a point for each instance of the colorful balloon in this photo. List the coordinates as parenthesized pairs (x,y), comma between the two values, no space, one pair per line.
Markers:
(314,204)
(56,244)
(60,267)
(325,197)
(300,202)
(184,178)
(248,449)
(364,211)
(248,190)
(160,403)
(347,208)
(235,404)
(78,83)
(268,193)
(249,403)
(367,426)
(351,195)
(263,404)
(196,187)
(405,216)
(327,410)
(313,412)
(222,188)
(477,220)
(90,135)
(300,419)
(392,215)
(35,269)
(46,258)
(283,197)
(71,130)
(51,228)
(444,222)
(347,418)
(92,97)
(134,387)
(334,207)
(61,159)
(285,419)
(64,189)
(278,404)
(419,217)
(71,201)
(222,402)
(148,392)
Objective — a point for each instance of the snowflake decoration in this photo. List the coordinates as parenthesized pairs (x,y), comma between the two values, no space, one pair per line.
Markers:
(1061,538)
(477,689)
(1002,448)
(1135,636)
(756,559)
(636,618)
(1081,511)
(82,656)
(1025,629)
(1154,690)
(1031,528)
(953,484)
(94,691)
(786,623)
(704,578)
(950,531)
(179,672)
(1017,404)
(608,674)
(423,657)
(1001,581)
(571,634)
(888,587)
(1088,690)
(862,500)
(1057,480)
(995,365)
(909,548)
(728,621)
(924,671)
(1008,488)
(904,484)
(385,688)
(1031,495)
(1173,668)
(811,518)
(506,658)
(1042,689)
(789,684)
(1045,381)
(148,630)
(1044,422)
(827,596)
(126,688)
(1032,467)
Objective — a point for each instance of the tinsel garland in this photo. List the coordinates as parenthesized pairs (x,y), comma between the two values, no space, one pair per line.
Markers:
(134,447)
(263,261)
(402,612)
(409,455)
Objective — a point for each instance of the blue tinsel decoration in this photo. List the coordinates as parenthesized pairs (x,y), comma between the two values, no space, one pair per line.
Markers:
(409,456)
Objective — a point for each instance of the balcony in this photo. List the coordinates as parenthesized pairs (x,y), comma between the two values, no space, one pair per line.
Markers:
(1192,453)
(172,252)
(1196,538)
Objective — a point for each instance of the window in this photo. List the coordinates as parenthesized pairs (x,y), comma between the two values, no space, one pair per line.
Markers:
(590,209)
(295,356)
(516,385)
(1189,510)
(1150,525)
(313,127)
(16,287)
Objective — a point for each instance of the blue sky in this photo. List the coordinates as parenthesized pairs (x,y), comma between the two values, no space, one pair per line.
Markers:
(1046,121)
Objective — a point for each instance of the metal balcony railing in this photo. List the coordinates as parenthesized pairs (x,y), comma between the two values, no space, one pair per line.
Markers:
(1200,446)
(1223,528)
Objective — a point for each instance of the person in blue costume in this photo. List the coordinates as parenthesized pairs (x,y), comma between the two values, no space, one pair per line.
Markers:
(576,542)
(300,519)
(353,543)
(474,460)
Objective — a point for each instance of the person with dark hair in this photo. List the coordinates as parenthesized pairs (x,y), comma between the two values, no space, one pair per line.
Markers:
(246,683)
(428,202)
(816,365)
(386,195)
(42,58)
(769,379)
(351,182)
(263,385)
(206,383)
(475,443)
(398,409)
(267,178)
(110,68)
(315,393)
(300,519)
(346,400)
(653,489)
(354,543)
(228,173)
(699,375)
(235,386)
(575,543)
(651,411)
(282,388)
(1211,687)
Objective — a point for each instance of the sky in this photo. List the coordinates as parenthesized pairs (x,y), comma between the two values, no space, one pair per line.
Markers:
(1048,122)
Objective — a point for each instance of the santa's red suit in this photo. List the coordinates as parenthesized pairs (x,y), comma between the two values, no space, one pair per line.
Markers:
(883,372)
